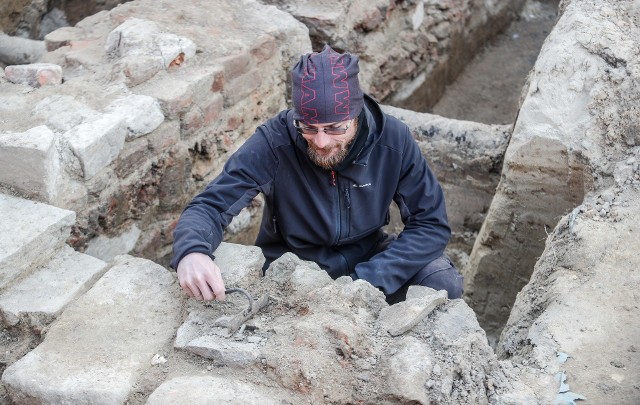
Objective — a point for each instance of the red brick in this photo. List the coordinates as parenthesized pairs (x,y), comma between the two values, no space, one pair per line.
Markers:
(264,49)
(235,65)
(212,111)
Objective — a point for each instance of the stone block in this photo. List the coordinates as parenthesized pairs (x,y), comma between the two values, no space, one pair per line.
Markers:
(235,65)
(61,113)
(40,297)
(97,143)
(239,264)
(305,279)
(105,248)
(408,370)
(223,390)
(61,37)
(29,234)
(15,50)
(137,69)
(101,344)
(241,87)
(282,268)
(175,96)
(165,136)
(142,114)
(363,295)
(35,74)
(29,162)
(403,316)
(224,351)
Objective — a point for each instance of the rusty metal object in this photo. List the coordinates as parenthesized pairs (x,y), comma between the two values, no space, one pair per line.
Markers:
(234,322)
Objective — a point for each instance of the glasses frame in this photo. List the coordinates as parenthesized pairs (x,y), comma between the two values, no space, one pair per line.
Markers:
(305,130)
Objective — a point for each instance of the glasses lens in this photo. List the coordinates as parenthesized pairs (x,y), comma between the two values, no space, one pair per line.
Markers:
(335,131)
(306,130)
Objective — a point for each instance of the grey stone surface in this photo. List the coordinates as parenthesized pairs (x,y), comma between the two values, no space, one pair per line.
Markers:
(209,390)
(403,316)
(41,296)
(29,234)
(61,112)
(19,51)
(362,294)
(142,114)
(29,162)
(239,264)
(305,279)
(224,351)
(105,248)
(100,345)
(283,267)
(35,74)
(408,370)
(97,143)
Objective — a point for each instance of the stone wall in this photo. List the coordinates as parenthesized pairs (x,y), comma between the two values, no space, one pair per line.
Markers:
(411,50)
(578,317)
(136,109)
(574,125)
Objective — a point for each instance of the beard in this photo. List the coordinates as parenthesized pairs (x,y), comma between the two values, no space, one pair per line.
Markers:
(319,155)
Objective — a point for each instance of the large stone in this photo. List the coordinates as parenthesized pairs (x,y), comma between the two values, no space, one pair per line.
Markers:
(408,370)
(97,143)
(403,316)
(29,162)
(40,297)
(100,345)
(106,248)
(205,390)
(142,114)
(224,351)
(61,112)
(19,51)
(29,234)
(239,264)
(305,279)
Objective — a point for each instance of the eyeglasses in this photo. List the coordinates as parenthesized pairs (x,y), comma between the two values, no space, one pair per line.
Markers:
(307,130)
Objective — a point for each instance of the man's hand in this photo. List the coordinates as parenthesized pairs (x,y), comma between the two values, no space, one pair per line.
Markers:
(200,277)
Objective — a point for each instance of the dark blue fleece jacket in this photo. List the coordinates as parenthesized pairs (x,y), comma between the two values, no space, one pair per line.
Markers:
(334,219)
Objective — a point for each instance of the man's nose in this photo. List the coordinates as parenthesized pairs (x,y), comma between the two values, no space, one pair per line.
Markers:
(321,139)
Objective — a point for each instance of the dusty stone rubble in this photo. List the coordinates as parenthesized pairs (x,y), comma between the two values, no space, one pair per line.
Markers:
(318,341)
(412,48)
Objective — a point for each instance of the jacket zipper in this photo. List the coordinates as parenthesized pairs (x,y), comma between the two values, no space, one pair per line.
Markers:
(333,178)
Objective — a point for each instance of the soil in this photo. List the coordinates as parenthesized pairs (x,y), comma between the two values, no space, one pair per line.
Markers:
(489,88)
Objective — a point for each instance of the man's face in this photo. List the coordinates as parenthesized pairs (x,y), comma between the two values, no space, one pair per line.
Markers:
(328,147)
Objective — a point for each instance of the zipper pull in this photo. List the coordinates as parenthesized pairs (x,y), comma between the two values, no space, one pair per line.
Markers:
(333,178)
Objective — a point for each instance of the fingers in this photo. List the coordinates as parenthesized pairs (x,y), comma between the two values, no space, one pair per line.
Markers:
(200,277)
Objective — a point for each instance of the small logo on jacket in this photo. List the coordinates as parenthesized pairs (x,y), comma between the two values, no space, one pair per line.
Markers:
(362,185)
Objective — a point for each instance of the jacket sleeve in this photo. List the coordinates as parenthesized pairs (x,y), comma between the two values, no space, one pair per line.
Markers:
(247,172)
(426,232)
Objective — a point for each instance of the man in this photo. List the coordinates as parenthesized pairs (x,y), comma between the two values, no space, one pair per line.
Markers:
(329,169)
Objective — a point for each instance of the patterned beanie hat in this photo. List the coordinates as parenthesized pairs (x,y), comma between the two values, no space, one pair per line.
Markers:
(326,87)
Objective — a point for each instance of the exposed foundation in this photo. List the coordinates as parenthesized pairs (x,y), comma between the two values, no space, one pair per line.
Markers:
(123,128)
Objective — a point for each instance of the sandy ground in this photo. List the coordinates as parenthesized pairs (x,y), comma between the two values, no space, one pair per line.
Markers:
(489,88)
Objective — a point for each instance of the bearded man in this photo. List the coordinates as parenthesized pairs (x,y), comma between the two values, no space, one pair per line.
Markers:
(329,169)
